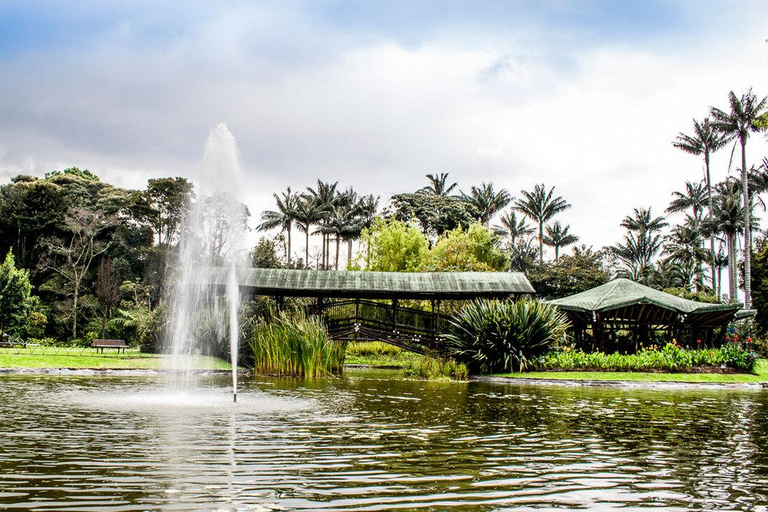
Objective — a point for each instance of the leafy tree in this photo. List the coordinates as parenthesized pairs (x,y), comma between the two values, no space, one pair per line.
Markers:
(264,255)
(394,246)
(728,219)
(487,201)
(435,213)
(107,291)
(438,185)
(512,227)
(165,202)
(746,115)
(685,246)
(760,285)
(581,271)
(71,257)
(15,297)
(541,206)
(475,249)
(558,236)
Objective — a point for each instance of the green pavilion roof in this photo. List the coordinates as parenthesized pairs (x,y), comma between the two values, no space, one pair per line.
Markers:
(399,285)
(625,300)
(621,293)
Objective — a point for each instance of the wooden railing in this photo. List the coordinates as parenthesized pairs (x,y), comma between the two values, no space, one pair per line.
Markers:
(361,319)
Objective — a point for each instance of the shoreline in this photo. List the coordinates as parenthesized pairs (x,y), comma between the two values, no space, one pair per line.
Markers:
(538,381)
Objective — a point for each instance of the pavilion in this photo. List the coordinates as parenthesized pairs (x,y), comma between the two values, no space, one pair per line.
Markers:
(621,314)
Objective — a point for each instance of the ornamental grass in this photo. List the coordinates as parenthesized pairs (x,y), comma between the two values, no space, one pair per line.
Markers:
(293,344)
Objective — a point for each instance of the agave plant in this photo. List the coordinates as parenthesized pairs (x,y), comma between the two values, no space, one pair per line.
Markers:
(504,336)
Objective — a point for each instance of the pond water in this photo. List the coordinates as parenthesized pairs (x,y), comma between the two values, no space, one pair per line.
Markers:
(371,442)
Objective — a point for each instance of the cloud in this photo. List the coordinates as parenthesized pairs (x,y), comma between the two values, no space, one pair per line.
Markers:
(583,99)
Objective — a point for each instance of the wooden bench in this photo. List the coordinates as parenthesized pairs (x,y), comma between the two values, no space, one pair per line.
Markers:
(100,345)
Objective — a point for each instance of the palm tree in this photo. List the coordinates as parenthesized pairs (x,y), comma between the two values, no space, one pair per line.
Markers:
(641,244)
(746,116)
(540,206)
(364,212)
(283,217)
(487,201)
(306,214)
(438,185)
(558,236)
(512,227)
(704,141)
(728,219)
(325,195)
(684,246)
(694,197)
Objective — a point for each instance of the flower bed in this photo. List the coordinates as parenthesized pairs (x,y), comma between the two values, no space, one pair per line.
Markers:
(669,358)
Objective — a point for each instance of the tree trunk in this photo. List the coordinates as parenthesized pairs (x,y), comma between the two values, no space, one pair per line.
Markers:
(74,314)
(541,242)
(732,282)
(747,231)
(709,215)
(306,249)
(336,263)
(288,256)
(349,252)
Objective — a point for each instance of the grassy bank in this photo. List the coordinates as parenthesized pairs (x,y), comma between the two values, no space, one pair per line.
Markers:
(760,375)
(378,354)
(90,359)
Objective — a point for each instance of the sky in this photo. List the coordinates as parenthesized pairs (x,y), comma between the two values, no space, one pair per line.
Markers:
(586,96)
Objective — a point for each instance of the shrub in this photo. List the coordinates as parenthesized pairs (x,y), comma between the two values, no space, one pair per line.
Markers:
(430,368)
(294,344)
(669,358)
(372,348)
(497,336)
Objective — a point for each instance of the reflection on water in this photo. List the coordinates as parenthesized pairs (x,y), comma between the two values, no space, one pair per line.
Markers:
(368,442)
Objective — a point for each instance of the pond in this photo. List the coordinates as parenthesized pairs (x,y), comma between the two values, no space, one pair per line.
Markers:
(369,441)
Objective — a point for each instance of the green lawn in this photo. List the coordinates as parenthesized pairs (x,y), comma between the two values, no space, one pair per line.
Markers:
(761,375)
(50,357)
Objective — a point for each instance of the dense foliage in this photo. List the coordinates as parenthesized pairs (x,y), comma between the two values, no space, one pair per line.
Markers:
(435,368)
(15,298)
(498,336)
(669,358)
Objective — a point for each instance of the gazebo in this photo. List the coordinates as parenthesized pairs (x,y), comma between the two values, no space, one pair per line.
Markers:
(621,314)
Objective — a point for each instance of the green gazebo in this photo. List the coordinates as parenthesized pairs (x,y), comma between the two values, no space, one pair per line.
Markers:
(621,314)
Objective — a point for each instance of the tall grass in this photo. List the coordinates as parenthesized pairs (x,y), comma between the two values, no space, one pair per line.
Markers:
(435,368)
(294,344)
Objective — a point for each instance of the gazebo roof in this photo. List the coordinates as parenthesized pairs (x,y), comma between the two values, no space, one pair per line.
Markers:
(622,297)
(363,284)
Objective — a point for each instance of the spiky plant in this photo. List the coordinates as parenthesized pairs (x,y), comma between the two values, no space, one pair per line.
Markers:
(504,336)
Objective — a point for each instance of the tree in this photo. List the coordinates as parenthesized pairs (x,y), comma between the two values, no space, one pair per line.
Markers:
(541,206)
(307,214)
(71,257)
(558,236)
(704,141)
(487,201)
(475,250)
(684,246)
(283,217)
(264,255)
(394,246)
(747,115)
(511,226)
(436,214)
(325,196)
(640,245)
(728,219)
(15,297)
(438,185)
(581,271)
(166,202)
(107,291)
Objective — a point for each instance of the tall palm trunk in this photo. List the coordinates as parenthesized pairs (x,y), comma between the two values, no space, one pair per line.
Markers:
(288,256)
(541,242)
(732,277)
(336,263)
(349,252)
(709,216)
(306,249)
(747,231)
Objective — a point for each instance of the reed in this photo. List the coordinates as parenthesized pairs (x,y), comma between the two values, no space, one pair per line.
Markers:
(293,344)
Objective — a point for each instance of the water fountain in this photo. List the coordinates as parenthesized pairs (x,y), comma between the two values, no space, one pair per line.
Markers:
(212,241)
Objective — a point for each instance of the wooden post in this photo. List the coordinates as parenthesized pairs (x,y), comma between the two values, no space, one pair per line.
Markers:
(394,314)
(437,319)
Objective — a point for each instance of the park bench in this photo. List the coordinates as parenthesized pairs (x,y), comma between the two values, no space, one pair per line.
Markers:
(100,345)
